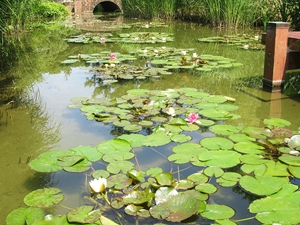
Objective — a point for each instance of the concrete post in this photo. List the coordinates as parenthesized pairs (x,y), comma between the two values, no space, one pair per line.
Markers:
(275,55)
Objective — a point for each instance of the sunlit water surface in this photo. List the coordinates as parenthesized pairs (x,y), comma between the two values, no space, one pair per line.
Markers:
(43,121)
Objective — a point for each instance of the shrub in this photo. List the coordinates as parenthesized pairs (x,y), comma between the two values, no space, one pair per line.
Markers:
(50,10)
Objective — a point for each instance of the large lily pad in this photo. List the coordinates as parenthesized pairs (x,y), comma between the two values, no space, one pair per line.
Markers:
(177,208)
(21,216)
(44,197)
(261,185)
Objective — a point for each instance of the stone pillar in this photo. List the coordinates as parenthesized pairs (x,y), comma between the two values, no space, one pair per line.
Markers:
(275,55)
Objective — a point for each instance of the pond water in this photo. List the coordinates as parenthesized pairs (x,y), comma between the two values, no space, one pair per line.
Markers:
(34,113)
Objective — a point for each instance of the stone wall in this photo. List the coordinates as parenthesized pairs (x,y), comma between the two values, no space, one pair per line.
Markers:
(87,6)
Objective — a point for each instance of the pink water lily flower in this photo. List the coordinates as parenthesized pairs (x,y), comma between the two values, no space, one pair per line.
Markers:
(193,117)
(112,56)
(102,40)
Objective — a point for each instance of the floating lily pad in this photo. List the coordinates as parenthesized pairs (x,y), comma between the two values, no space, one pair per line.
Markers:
(177,208)
(45,197)
(22,216)
(220,158)
(216,143)
(215,211)
(223,129)
(84,214)
(282,210)
(261,185)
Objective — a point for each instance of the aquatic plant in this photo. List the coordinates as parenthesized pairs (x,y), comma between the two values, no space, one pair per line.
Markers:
(266,156)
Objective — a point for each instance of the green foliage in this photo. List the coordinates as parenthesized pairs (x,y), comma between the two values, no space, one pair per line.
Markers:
(50,10)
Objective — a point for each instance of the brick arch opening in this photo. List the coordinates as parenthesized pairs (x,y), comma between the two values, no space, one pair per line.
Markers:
(108,6)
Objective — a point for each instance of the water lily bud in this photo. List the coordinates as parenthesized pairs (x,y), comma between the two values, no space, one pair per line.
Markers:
(246,46)
(98,185)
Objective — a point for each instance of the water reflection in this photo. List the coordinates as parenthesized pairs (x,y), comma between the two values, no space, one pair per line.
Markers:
(29,116)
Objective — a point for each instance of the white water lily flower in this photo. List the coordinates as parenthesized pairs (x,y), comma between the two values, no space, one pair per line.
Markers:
(145,51)
(195,55)
(171,111)
(183,52)
(163,47)
(112,65)
(163,39)
(98,185)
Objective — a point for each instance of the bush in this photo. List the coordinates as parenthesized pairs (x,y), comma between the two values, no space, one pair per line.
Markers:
(50,10)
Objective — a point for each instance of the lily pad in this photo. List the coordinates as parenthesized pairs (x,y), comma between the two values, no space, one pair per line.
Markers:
(45,197)
(21,216)
(215,211)
(261,185)
(220,158)
(84,214)
(216,143)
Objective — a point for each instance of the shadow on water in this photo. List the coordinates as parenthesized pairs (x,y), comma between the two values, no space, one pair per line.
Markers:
(34,116)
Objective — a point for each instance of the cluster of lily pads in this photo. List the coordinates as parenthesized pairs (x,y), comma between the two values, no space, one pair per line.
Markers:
(248,42)
(129,38)
(267,157)
(110,66)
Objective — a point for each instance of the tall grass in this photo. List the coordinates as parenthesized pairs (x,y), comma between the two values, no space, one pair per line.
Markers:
(232,13)
(149,9)
(14,14)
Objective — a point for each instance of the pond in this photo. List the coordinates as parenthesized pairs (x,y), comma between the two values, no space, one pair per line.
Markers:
(35,117)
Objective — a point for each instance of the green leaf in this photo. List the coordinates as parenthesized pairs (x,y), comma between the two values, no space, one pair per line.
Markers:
(114,146)
(135,140)
(276,122)
(216,143)
(164,179)
(177,208)
(89,152)
(84,214)
(163,193)
(290,159)
(206,188)
(261,185)
(220,158)
(21,216)
(45,197)
(213,171)
(215,211)
(223,129)
(118,166)
(248,148)
(271,210)
(118,181)
(157,139)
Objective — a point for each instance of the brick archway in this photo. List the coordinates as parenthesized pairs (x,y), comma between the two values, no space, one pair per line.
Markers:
(88,6)
(115,5)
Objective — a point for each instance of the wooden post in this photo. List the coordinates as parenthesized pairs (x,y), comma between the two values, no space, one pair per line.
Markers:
(275,55)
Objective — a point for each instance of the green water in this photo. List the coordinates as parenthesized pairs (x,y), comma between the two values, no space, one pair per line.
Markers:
(36,92)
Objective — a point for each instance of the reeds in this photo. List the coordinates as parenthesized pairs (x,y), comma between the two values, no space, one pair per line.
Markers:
(232,13)
(149,9)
